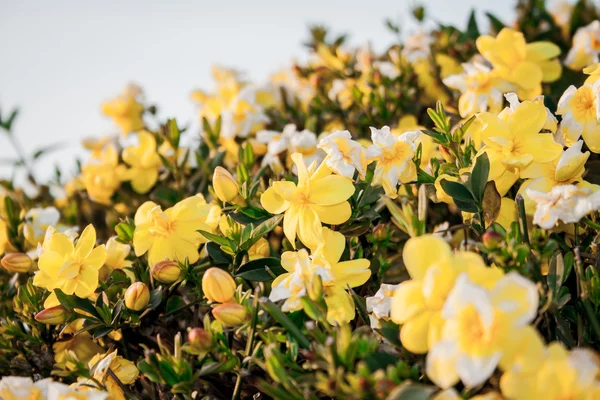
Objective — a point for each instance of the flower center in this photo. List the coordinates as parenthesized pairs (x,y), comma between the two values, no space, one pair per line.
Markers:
(69,270)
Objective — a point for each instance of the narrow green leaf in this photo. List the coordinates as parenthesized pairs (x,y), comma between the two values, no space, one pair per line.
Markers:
(283,319)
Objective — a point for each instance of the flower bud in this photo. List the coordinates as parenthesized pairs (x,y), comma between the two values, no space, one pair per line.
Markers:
(200,339)
(218,286)
(137,296)
(52,316)
(260,249)
(491,240)
(17,262)
(448,157)
(166,271)
(230,314)
(226,188)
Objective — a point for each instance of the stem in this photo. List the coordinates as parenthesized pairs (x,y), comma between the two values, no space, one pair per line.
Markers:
(591,224)
(523,219)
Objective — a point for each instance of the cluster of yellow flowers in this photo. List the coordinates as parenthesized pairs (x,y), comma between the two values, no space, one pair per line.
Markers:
(315,205)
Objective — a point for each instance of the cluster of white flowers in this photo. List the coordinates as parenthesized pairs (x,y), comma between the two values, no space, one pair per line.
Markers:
(17,388)
(567,203)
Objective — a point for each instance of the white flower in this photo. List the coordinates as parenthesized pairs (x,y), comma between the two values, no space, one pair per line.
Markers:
(387,69)
(394,158)
(18,387)
(478,324)
(580,110)
(60,391)
(305,142)
(567,203)
(417,47)
(337,87)
(381,303)
(37,221)
(292,287)
(586,47)
(344,155)
(481,89)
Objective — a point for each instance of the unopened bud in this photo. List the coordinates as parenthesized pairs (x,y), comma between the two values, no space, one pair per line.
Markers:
(380,232)
(200,339)
(226,188)
(230,314)
(166,271)
(218,285)
(137,296)
(52,316)
(448,157)
(260,249)
(17,262)
(491,240)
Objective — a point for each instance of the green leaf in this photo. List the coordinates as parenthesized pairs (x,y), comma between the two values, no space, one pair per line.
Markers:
(361,306)
(495,23)
(479,176)
(412,391)
(125,231)
(556,272)
(72,303)
(466,206)
(220,240)
(258,270)
(380,360)
(457,191)
(284,321)
(218,255)
(173,304)
(165,195)
(101,332)
(472,28)
(266,226)
(173,133)
(437,136)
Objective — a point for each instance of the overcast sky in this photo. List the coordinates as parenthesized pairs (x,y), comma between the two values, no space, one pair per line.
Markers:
(60,59)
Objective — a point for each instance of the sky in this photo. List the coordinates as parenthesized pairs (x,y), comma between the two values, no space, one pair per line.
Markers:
(60,59)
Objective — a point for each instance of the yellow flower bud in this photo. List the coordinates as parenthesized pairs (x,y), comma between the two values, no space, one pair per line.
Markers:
(52,316)
(17,262)
(260,249)
(218,286)
(200,339)
(230,314)
(166,271)
(226,188)
(137,296)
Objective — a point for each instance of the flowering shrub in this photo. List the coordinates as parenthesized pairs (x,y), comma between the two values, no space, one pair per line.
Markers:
(420,223)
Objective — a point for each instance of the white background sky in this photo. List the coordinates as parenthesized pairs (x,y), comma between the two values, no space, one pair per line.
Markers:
(60,59)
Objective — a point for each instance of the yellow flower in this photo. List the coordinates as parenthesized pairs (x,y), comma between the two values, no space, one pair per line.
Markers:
(71,268)
(126,110)
(319,197)
(344,155)
(580,115)
(526,65)
(555,374)
(565,170)
(394,159)
(116,254)
(335,276)
(478,324)
(173,234)
(433,268)
(594,73)
(481,89)
(512,142)
(143,161)
(19,388)
(101,175)
(508,213)
(409,123)
(123,369)
(72,347)
(17,262)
